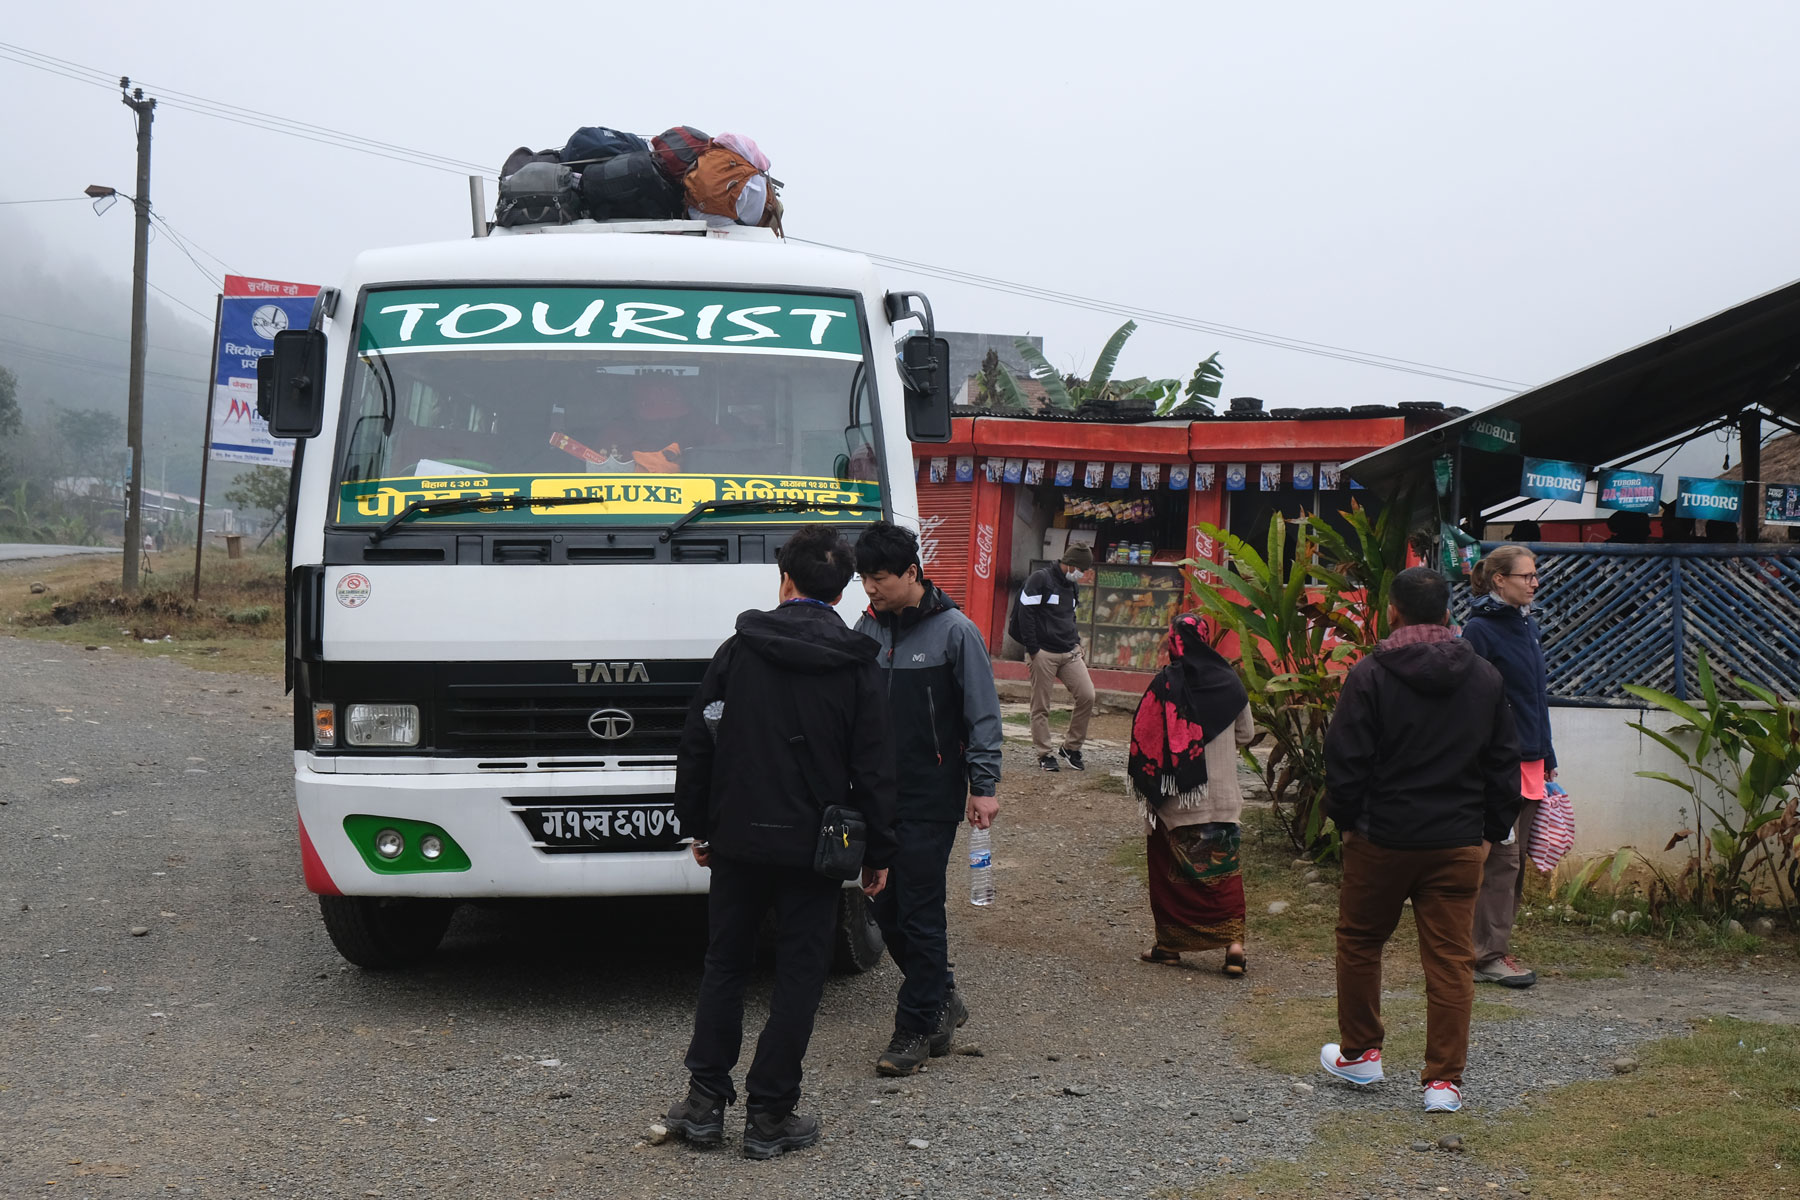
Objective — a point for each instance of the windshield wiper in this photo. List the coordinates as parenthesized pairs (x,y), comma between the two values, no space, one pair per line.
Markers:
(768,504)
(464,503)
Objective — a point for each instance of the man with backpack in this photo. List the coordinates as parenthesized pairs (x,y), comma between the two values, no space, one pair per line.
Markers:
(790,718)
(1043,621)
(1421,778)
(946,715)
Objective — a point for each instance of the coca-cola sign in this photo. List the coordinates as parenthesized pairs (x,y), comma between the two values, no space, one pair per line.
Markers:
(984,551)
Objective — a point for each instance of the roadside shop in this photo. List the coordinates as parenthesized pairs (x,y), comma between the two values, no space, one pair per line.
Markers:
(1010,493)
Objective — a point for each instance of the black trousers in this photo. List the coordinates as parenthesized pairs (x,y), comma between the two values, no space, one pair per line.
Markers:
(805,907)
(911,914)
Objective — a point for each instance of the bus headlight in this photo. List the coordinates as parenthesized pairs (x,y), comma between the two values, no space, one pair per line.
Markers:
(381,724)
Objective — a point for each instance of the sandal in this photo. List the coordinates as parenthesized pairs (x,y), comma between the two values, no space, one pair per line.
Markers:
(1235,964)
(1161,957)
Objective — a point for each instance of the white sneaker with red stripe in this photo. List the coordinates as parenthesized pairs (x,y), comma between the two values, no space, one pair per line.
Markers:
(1362,1070)
(1442,1097)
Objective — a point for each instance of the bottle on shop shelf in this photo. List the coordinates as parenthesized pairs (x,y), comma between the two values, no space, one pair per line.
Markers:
(981,866)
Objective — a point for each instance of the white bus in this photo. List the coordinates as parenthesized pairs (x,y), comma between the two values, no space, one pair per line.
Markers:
(540,474)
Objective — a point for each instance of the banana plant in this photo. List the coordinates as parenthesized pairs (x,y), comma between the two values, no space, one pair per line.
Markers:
(1069,394)
(1743,772)
(1295,637)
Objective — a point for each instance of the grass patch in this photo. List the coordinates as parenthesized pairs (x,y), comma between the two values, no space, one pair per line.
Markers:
(236,625)
(1710,1115)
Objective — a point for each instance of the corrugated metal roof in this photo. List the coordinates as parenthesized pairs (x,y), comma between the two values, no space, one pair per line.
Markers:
(1644,397)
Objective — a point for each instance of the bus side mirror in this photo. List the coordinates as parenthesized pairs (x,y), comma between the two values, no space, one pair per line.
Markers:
(290,384)
(925,368)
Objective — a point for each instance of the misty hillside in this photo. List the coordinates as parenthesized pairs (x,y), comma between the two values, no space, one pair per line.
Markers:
(65,333)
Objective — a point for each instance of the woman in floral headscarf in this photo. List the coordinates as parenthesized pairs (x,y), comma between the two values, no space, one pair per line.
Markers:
(1184,759)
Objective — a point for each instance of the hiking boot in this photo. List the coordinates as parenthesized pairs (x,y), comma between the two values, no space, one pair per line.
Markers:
(1506,972)
(905,1054)
(699,1120)
(1362,1070)
(1074,757)
(1442,1097)
(768,1134)
(1048,762)
(954,1016)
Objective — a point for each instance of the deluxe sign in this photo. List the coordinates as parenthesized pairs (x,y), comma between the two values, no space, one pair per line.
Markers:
(555,318)
(1492,433)
(251,313)
(614,499)
(1708,499)
(1630,491)
(1549,479)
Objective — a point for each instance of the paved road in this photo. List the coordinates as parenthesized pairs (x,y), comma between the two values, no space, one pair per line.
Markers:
(20,551)
(230,1052)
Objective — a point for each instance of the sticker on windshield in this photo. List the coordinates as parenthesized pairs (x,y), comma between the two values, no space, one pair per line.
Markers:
(353,590)
(603,499)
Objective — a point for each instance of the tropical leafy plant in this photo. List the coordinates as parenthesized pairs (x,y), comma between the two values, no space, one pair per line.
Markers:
(1369,564)
(1201,390)
(1068,393)
(1743,772)
(1295,636)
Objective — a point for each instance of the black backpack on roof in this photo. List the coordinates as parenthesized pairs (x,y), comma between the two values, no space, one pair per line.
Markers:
(629,187)
(597,143)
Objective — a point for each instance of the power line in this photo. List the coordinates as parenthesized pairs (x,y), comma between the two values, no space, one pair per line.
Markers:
(326,135)
(237,114)
(210,276)
(60,358)
(163,221)
(1190,324)
(176,300)
(46,200)
(102,336)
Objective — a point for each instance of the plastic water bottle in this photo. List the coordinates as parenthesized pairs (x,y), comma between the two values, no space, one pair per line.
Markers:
(981,866)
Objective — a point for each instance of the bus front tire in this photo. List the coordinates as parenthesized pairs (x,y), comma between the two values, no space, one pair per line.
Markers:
(380,932)
(858,941)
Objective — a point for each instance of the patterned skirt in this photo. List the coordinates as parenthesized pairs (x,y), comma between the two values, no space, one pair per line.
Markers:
(1196,886)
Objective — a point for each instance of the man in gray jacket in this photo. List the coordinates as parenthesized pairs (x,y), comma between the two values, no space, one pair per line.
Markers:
(946,719)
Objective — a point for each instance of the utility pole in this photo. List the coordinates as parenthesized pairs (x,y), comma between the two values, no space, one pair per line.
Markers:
(144,109)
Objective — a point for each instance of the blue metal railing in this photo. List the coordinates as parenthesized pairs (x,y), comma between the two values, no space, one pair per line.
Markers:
(1618,614)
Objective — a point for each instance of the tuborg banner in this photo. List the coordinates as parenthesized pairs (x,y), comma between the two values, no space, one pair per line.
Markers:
(1548,479)
(1630,491)
(251,313)
(1708,499)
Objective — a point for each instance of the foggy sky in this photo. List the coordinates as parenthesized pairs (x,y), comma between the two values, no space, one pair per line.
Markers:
(1515,191)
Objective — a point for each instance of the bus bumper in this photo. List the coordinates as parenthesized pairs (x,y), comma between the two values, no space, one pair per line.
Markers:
(476,810)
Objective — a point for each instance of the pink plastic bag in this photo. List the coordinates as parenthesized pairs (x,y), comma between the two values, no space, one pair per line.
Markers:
(1552,829)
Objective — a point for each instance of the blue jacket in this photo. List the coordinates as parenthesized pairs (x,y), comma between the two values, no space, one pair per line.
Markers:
(1509,639)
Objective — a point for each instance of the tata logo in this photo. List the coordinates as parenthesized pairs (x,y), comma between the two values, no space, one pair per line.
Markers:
(610,724)
(610,672)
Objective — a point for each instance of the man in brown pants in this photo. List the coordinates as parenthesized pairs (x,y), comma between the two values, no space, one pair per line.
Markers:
(1044,623)
(1421,776)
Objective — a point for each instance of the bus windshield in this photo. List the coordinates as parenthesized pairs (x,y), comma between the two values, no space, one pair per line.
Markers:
(647,400)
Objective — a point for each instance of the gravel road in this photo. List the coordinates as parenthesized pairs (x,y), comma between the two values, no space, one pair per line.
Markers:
(228,1051)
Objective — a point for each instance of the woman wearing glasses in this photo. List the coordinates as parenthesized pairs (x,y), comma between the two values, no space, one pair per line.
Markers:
(1502,630)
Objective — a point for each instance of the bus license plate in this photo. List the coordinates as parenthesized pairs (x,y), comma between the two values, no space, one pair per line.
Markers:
(603,827)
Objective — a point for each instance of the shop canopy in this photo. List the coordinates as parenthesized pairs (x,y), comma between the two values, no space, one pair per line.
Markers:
(1627,407)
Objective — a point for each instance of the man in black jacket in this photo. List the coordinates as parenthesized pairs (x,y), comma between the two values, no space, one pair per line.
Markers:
(947,738)
(794,682)
(1044,623)
(1421,774)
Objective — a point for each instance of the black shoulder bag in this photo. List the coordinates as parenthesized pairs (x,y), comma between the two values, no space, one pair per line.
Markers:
(843,834)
